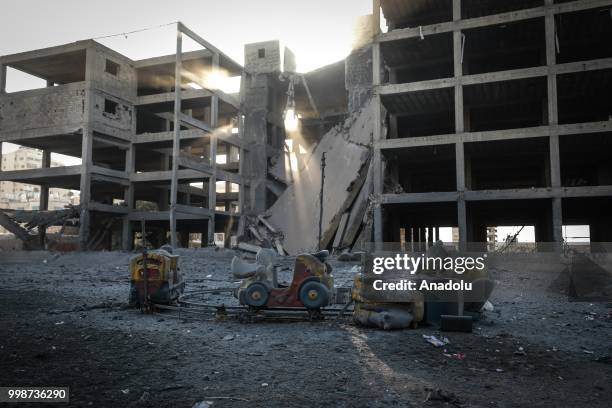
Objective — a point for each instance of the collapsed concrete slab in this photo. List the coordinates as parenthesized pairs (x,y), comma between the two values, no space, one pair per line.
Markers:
(296,212)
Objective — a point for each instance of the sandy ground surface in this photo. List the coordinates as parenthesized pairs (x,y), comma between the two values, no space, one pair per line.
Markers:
(64,323)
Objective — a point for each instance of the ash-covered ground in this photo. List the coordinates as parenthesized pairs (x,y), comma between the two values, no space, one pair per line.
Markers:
(64,323)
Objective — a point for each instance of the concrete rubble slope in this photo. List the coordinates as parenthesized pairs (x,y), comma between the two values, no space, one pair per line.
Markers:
(296,212)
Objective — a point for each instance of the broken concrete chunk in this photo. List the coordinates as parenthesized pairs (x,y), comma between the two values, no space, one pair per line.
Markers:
(296,212)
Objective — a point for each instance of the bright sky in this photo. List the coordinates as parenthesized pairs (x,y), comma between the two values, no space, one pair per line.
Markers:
(318,31)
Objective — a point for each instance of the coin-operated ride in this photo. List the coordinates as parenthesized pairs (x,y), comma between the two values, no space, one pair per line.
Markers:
(311,287)
(155,277)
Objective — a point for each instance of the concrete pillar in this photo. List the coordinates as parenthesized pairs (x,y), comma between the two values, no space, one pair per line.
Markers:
(178,69)
(44,197)
(378,172)
(462,223)
(376,15)
(557,222)
(44,190)
(255,101)
(2,79)
(241,191)
(553,119)
(87,148)
(212,186)
(127,238)
(85,185)
(459,126)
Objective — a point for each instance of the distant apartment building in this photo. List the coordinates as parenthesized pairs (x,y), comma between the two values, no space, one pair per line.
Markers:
(20,196)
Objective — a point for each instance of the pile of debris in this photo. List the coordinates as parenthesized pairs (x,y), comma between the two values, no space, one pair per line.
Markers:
(296,216)
(263,235)
(27,225)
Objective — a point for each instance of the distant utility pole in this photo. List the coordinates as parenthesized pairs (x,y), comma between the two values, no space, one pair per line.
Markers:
(321,199)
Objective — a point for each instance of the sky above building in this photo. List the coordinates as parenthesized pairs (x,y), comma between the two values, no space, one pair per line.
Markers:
(318,31)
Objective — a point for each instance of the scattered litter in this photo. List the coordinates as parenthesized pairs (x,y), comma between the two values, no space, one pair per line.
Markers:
(125,391)
(499,370)
(59,323)
(436,342)
(456,356)
(228,337)
(588,352)
(488,307)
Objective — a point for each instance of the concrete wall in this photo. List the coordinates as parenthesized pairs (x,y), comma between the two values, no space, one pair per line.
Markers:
(270,62)
(40,108)
(122,85)
(120,121)
(289,62)
(358,78)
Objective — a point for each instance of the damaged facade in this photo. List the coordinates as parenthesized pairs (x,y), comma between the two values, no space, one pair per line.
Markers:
(466,113)
(493,113)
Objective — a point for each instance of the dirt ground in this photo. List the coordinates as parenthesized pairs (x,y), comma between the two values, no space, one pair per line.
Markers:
(64,323)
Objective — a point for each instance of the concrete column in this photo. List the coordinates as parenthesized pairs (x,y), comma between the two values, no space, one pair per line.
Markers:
(44,197)
(557,221)
(85,187)
(378,173)
(126,231)
(376,15)
(44,190)
(553,119)
(462,223)
(460,165)
(241,191)
(459,126)
(2,79)
(176,144)
(212,181)
(87,148)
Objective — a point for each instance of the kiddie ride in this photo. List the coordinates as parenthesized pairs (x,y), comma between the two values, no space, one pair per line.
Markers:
(311,289)
(155,278)
(157,284)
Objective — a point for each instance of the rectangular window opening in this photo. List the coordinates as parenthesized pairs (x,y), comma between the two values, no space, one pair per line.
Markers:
(110,107)
(112,67)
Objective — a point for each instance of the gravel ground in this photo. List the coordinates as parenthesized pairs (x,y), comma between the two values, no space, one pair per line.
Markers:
(64,324)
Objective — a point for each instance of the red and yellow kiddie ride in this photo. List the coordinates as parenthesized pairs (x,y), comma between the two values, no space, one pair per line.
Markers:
(311,287)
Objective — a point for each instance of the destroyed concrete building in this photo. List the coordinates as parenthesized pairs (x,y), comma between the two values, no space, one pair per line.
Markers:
(468,114)
(497,113)
(118,116)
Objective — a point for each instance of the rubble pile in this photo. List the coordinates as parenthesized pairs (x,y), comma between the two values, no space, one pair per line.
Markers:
(294,217)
